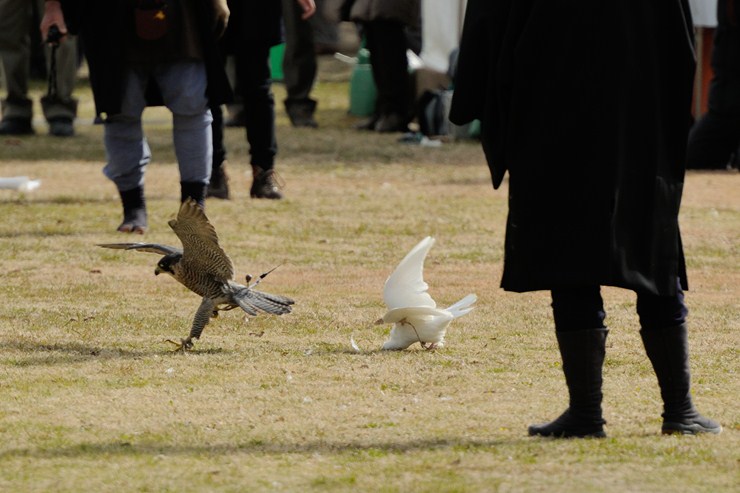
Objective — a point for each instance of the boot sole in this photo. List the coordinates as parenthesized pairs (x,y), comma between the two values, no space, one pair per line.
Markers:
(693,429)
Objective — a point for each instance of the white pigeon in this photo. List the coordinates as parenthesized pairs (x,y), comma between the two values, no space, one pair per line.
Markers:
(413,313)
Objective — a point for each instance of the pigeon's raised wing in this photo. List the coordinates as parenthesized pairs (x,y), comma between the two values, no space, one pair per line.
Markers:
(142,247)
(200,242)
(405,286)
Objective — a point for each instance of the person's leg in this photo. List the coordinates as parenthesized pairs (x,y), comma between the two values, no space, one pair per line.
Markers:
(387,44)
(665,337)
(60,110)
(183,88)
(128,153)
(218,187)
(253,72)
(325,32)
(15,52)
(712,141)
(299,66)
(581,334)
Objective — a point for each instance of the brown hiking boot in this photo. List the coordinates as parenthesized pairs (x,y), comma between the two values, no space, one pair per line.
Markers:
(265,184)
(218,188)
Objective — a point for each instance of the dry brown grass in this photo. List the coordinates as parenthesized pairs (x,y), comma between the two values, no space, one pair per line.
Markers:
(92,399)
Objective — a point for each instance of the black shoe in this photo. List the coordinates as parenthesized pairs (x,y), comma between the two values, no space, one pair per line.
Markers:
(218,188)
(691,426)
(303,120)
(568,426)
(366,124)
(61,127)
(301,113)
(16,126)
(391,122)
(264,185)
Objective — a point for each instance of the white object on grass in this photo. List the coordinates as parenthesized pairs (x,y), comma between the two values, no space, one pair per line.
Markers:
(19,183)
(411,310)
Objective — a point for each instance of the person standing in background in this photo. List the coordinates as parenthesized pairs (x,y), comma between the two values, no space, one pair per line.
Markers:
(299,61)
(146,53)
(15,54)
(254,28)
(385,25)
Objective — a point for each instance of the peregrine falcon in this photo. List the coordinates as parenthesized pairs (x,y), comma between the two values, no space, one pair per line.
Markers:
(204,268)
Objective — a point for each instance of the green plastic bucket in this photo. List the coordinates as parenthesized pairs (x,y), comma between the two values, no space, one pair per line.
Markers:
(362,90)
(276,62)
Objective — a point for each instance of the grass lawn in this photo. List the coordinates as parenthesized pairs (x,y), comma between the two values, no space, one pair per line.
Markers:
(92,399)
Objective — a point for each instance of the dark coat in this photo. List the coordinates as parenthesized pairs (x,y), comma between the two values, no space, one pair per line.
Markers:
(102,25)
(587,105)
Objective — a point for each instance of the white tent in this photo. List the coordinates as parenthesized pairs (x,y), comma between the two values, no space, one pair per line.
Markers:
(441,26)
(704,12)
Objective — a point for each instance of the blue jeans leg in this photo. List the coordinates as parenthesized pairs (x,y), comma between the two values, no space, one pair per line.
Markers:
(127,152)
(183,88)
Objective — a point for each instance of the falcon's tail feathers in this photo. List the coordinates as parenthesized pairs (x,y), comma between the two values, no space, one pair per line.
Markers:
(463,306)
(252,301)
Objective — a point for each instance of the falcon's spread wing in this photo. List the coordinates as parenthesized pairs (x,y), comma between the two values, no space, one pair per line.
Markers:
(200,242)
(142,247)
(405,287)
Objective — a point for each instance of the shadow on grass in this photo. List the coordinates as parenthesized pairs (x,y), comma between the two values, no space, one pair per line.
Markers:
(45,354)
(123,448)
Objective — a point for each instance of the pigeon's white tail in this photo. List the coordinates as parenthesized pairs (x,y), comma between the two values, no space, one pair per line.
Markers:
(463,306)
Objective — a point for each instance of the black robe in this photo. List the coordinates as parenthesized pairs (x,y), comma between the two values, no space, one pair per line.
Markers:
(103,26)
(587,105)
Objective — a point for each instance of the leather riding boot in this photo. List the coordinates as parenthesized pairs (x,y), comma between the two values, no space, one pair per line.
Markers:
(668,350)
(583,357)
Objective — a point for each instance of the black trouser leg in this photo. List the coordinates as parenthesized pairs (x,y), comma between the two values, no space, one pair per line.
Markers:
(387,44)
(299,61)
(253,73)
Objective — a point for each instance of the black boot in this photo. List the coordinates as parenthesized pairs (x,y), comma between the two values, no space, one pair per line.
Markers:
(583,356)
(668,350)
(134,211)
(195,190)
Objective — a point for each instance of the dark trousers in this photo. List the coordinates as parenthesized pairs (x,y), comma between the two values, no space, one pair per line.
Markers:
(299,62)
(217,129)
(386,41)
(582,308)
(255,88)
